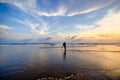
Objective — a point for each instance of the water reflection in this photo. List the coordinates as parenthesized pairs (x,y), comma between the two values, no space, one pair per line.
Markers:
(64,55)
(31,62)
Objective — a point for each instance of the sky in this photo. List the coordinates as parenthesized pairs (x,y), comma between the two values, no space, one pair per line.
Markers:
(60,20)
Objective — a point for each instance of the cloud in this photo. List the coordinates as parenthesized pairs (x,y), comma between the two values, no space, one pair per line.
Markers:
(43,31)
(84,27)
(45,39)
(4,27)
(70,37)
(62,36)
(3,33)
(39,28)
(14,36)
(59,12)
(86,6)
(21,3)
(63,8)
(4,30)
(107,28)
(19,36)
(82,11)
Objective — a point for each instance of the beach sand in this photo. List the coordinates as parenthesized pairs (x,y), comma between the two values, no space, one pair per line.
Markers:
(30,62)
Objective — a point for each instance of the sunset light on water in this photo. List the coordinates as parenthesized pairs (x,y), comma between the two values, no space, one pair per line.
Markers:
(59,40)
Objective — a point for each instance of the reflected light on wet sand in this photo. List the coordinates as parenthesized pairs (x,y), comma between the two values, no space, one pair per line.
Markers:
(31,62)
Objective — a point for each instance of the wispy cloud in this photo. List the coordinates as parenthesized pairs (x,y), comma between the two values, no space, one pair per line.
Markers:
(84,27)
(59,12)
(44,18)
(3,33)
(82,7)
(4,30)
(106,29)
(21,3)
(65,8)
(4,27)
(35,24)
(41,29)
(82,11)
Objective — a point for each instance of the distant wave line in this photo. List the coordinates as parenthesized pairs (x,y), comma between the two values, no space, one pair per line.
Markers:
(93,51)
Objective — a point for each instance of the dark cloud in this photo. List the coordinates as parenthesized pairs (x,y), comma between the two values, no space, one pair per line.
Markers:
(45,39)
(48,38)
(26,40)
(70,37)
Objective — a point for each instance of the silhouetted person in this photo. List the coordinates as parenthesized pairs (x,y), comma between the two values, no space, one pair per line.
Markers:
(64,45)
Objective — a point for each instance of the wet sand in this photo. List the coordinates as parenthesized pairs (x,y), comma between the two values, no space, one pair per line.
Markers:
(30,62)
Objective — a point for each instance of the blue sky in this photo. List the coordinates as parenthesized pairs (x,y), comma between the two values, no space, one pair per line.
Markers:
(60,20)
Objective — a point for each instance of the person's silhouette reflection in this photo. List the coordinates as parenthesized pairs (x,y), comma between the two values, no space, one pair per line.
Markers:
(64,54)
